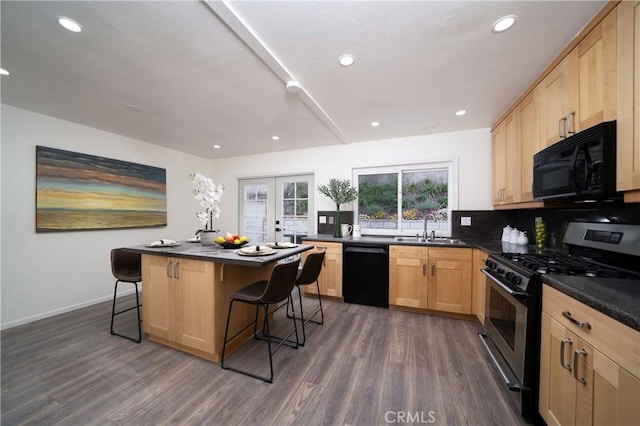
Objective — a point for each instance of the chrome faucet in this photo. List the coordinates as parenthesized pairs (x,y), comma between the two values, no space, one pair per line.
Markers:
(426,220)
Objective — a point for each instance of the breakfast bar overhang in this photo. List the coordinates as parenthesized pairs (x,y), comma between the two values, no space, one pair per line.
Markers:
(185,293)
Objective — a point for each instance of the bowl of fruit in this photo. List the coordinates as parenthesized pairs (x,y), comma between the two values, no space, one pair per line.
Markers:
(231,241)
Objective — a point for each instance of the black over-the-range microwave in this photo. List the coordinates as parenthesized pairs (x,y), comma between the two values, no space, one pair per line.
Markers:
(581,167)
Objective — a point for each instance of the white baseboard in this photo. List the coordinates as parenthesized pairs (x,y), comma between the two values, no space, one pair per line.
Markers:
(62,310)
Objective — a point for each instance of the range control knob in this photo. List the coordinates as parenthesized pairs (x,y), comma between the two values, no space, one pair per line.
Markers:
(516,279)
(500,271)
(509,276)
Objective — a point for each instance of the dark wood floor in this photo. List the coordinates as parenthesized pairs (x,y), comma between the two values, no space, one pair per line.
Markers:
(365,366)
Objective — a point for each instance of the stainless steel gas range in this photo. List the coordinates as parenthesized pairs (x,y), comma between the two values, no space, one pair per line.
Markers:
(514,289)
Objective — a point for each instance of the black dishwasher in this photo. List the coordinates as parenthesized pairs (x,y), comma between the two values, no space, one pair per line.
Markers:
(365,274)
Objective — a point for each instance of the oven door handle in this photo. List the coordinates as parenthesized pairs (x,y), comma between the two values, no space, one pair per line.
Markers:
(512,293)
(514,387)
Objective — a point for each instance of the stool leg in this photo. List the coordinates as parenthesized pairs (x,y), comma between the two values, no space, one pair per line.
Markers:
(266,327)
(226,332)
(113,307)
(139,319)
(304,333)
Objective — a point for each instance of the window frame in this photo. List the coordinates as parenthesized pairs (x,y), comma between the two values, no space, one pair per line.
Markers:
(451,165)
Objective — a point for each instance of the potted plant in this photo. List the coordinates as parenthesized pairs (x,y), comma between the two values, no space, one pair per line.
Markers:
(340,192)
(209,194)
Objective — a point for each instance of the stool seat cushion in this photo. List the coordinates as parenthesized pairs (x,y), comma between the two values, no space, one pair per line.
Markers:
(250,294)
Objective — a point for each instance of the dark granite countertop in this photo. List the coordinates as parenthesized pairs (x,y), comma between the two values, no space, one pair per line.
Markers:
(619,299)
(218,254)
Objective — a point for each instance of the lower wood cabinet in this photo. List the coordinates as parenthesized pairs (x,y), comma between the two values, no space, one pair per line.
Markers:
(478,290)
(449,288)
(331,274)
(408,277)
(178,300)
(432,278)
(589,374)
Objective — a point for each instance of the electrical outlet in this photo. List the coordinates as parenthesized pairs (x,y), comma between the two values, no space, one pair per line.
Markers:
(323,219)
(331,220)
(465,221)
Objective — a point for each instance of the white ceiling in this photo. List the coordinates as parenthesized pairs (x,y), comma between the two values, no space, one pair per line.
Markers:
(208,72)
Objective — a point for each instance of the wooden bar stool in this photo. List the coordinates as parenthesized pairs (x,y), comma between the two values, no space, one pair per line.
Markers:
(261,294)
(127,268)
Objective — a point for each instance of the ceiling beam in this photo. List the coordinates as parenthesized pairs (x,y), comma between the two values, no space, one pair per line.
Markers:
(234,22)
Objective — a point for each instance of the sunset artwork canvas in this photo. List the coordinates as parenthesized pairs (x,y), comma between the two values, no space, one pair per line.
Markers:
(80,192)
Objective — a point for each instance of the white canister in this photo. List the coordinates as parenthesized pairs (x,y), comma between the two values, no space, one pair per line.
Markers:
(355,233)
(522,239)
(513,236)
(506,233)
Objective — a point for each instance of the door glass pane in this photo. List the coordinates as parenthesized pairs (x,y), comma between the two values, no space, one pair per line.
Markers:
(502,315)
(295,210)
(255,212)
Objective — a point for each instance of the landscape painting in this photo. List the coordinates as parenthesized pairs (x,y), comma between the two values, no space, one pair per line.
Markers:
(81,192)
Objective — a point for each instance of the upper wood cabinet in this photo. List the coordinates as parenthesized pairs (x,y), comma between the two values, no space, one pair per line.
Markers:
(589,83)
(628,100)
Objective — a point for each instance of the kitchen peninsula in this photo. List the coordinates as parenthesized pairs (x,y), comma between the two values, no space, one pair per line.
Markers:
(185,293)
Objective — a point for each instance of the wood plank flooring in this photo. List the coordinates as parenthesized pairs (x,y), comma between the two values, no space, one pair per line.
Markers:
(364,366)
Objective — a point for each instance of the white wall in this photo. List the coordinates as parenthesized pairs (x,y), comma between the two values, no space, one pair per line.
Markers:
(48,273)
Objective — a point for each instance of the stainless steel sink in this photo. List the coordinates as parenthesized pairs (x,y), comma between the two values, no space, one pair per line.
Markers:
(436,240)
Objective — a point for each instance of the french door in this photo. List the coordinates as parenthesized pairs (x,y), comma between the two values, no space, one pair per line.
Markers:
(276,208)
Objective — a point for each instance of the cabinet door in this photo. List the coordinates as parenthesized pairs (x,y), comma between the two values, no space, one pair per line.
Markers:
(557,385)
(499,146)
(529,136)
(158,289)
(330,279)
(408,276)
(597,74)
(558,99)
(194,304)
(628,99)
(615,393)
(512,166)
(450,280)
(478,291)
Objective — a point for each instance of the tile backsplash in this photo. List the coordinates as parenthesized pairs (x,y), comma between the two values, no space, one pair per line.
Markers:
(488,224)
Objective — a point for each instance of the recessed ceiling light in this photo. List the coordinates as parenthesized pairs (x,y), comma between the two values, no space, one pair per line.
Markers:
(216,146)
(346,60)
(375,123)
(134,108)
(504,23)
(69,24)
(275,138)
(461,112)
(293,86)
(3,71)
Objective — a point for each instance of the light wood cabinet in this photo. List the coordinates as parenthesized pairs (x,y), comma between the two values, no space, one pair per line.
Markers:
(408,277)
(529,141)
(628,99)
(589,374)
(178,301)
(449,288)
(559,101)
(506,170)
(330,279)
(478,290)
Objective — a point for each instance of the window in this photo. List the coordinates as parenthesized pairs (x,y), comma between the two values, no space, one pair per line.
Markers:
(397,199)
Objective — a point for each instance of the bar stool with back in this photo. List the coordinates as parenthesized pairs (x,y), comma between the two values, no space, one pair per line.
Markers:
(127,268)
(261,294)
(309,274)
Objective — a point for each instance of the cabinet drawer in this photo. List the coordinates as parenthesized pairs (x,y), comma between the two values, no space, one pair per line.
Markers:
(332,248)
(614,339)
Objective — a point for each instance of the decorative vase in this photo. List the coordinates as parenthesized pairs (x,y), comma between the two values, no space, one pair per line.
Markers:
(208,238)
(337,229)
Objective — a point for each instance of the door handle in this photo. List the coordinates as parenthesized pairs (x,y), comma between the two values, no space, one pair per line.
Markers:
(571,118)
(169,269)
(424,269)
(176,270)
(580,324)
(562,343)
(576,357)
(433,269)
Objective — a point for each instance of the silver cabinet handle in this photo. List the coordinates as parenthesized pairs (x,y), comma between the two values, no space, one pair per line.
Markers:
(580,324)
(571,120)
(562,343)
(424,269)
(169,269)
(562,128)
(433,269)
(576,357)
(176,270)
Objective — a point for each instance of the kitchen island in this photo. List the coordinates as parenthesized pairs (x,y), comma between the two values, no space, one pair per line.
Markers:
(185,293)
